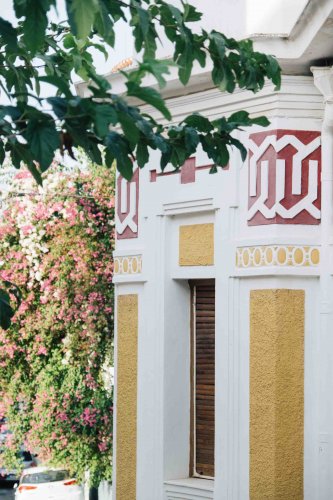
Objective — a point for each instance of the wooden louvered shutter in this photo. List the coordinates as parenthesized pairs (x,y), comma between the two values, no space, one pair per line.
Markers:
(203,400)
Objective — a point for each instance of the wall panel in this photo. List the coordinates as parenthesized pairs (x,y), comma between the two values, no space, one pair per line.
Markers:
(276,394)
(127,359)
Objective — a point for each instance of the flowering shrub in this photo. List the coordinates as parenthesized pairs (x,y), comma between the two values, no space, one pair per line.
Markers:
(56,244)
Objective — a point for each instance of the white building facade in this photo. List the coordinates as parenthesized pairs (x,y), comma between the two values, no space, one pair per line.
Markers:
(224,288)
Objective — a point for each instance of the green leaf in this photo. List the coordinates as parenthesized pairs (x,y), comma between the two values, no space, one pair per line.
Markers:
(154,67)
(58,82)
(59,105)
(8,34)
(35,173)
(240,146)
(81,14)
(2,153)
(191,140)
(185,63)
(175,12)
(12,111)
(260,120)
(274,72)
(104,26)
(222,154)
(201,123)
(241,117)
(144,20)
(105,115)
(108,158)
(91,146)
(20,7)
(69,41)
(102,49)
(34,25)
(218,44)
(107,14)
(119,148)
(6,311)
(191,14)
(150,96)
(129,127)
(142,154)
(19,153)
(43,139)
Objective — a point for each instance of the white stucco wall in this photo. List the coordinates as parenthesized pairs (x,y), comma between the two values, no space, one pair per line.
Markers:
(269,17)
(163,409)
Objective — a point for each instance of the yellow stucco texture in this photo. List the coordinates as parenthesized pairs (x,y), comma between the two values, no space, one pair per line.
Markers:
(196,245)
(126,411)
(276,394)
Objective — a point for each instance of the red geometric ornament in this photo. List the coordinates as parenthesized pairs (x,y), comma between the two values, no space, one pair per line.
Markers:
(127,210)
(284,177)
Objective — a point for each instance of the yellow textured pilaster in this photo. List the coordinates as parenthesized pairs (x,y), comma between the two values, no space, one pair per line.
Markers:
(196,245)
(276,394)
(127,359)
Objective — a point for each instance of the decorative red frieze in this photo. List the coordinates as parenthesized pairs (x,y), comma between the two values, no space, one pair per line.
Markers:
(127,212)
(187,173)
(284,177)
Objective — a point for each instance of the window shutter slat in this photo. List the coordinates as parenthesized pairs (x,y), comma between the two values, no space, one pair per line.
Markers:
(204,414)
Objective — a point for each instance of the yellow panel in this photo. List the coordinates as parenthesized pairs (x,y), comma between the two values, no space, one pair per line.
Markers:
(196,245)
(127,358)
(276,394)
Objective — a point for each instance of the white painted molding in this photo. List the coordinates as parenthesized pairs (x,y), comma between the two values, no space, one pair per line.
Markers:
(189,489)
(193,273)
(276,271)
(297,98)
(129,278)
(128,252)
(189,206)
(295,240)
(310,39)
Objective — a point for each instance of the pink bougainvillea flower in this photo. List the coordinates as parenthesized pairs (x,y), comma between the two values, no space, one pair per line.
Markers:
(56,244)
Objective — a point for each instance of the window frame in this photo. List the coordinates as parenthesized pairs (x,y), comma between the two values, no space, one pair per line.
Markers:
(193,365)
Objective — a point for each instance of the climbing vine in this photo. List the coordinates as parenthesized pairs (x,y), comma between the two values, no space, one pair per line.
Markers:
(56,245)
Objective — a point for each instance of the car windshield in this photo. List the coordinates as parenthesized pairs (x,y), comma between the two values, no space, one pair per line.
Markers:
(48,476)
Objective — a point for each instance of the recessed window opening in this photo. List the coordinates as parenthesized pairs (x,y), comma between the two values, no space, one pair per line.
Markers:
(202,379)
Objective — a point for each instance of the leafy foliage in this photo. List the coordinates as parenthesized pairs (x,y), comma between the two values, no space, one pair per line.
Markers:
(56,245)
(37,51)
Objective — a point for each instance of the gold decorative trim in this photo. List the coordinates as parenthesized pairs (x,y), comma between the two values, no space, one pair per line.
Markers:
(131,264)
(277,255)
(125,63)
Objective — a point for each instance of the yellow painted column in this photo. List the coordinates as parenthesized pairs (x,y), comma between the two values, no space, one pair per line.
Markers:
(127,360)
(276,394)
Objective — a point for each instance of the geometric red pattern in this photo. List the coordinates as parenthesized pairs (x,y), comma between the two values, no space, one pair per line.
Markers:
(187,173)
(284,177)
(127,210)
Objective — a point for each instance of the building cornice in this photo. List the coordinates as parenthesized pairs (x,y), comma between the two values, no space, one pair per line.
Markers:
(298,98)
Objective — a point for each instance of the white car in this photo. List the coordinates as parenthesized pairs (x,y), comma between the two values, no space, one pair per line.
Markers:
(43,483)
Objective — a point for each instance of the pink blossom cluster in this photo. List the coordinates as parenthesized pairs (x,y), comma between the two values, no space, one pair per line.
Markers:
(56,244)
